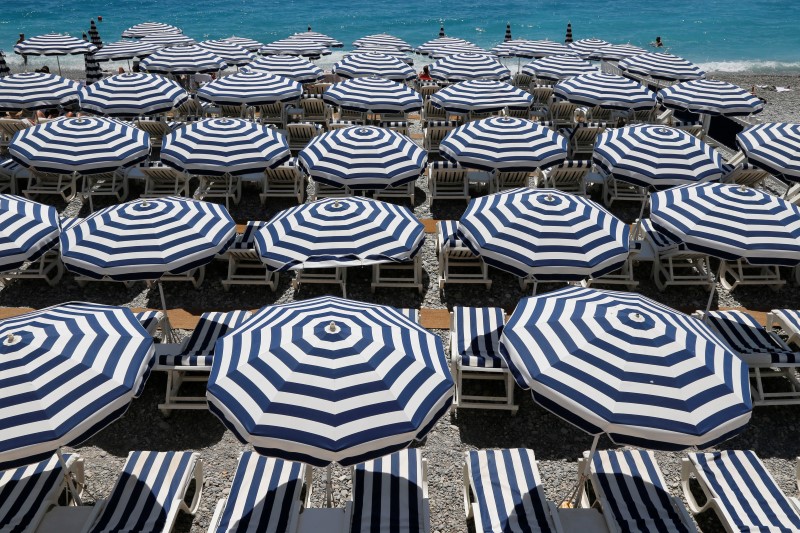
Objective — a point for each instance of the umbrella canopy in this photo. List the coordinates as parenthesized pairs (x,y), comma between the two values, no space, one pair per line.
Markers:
(4,70)
(461,67)
(296,47)
(451,50)
(616,52)
(233,54)
(773,146)
(144,239)
(481,96)
(392,52)
(329,380)
(710,97)
(440,42)
(656,156)
(250,88)
(134,94)
(66,372)
(607,91)
(27,230)
(504,143)
(298,69)
(363,157)
(54,44)
(621,364)
(93,72)
(373,64)
(218,146)
(662,67)
(508,48)
(125,50)
(340,232)
(317,37)
(167,39)
(146,28)
(376,95)
(585,47)
(559,67)
(183,60)
(541,48)
(730,222)
(382,40)
(545,234)
(36,90)
(87,145)
(251,45)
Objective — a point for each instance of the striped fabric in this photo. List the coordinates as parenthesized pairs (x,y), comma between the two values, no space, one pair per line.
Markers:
(36,90)
(373,64)
(621,364)
(295,47)
(94,35)
(544,233)
(615,52)
(632,490)
(559,67)
(750,339)
(68,222)
(317,37)
(656,156)
(392,52)
(773,146)
(789,320)
(481,96)
(145,494)
(710,97)
(87,145)
(660,241)
(586,47)
(93,71)
(126,95)
(199,349)
(124,50)
(264,497)
(447,233)
(504,144)
(216,146)
(183,60)
(28,229)
(662,66)
(540,48)
(150,320)
(508,491)
(250,88)
(389,495)
(376,95)
(144,239)
(4,70)
(605,90)
(168,39)
(251,45)
(471,66)
(440,42)
(362,157)
(247,239)
(350,231)
(477,331)
(451,50)
(233,54)
(298,69)
(146,28)
(66,373)
(293,366)
(383,40)
(747,494)
(54,44)
(730,222)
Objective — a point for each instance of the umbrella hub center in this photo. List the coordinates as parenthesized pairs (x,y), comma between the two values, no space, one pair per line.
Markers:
(11,339)
(333,327)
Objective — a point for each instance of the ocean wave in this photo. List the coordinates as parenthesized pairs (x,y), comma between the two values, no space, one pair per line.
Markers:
(752,66)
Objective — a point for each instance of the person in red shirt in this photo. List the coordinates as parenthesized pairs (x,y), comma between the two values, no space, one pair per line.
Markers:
(425,75)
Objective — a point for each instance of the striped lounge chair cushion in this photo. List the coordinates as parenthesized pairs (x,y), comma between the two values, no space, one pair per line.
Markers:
(575,163)
(442,164)
(10,168)
(199,350)
(447,234)
(686,123)
(27,490)
(247,239)
(790,318)
(508,491)
(410,313)
(631,488)
(478,331)
(388,494)
(750,339)
(394,124)
(442,124)
(343,123)
(143,496)
(149,320)
(264,497)
(749,498)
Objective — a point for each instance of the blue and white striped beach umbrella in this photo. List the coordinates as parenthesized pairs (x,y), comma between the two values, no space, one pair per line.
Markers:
(126,95)
(656,156)
(54,44)
(559,67)
(710,97)
(481,96)
(461,67)
(540,48)
(295,47)
(507,48)
(607,91)
(392,52)
(329,380)
(376,95)
(295,68)
(36,90)
(317,37)
(622,364)
(544,234)
(250,88)
(233,54)
(87,145)
(168,39)
(661,66)
(251,45)
(428,46)
(730,222)
(773,146)
(218,146)
(373,64)
(67,372)
(183,60)
(363,158)
(125,50)
(504,143)
(616,52)
(146,238)
(27,230)
(585,47)
(383,40)
(451,50)
(146,28)
(349,231)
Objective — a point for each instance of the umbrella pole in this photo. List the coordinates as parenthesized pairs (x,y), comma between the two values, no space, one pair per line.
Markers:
(72,489)
(638,226)
(710,300)
(165,325)
(328,487)
(574,499)
(58,62)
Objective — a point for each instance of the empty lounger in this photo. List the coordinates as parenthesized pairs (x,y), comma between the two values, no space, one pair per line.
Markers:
(673,263)
(788,320)
(150,320)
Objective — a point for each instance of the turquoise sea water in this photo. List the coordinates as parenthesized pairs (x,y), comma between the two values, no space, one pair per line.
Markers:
(733,35)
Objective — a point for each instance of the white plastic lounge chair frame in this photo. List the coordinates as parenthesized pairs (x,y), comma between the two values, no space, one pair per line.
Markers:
(285,181)
(569,176)
(435,132)
(457,263)
(731,274)
(447,181)
(396,275)
(583,136)
(788,320)
(161,180)
(245,266)
(64,185)
(299,134)
(105,184)
(323,190)
(321,276)
(226,186)
(615,190)
(503,181)
(316,110)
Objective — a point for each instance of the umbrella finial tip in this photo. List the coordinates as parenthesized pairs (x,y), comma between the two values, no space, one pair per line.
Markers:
(332,328)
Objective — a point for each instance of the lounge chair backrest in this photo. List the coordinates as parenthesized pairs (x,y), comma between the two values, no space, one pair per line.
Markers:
(746,174)
(446,172)
(27,490)
(316,88)
(439,129)
(561,112)
(302,130)
(191,107)
(425,91)
(272,113)
(643,116)
(247,239)
(747,337)
(153,127)
(599,114)
(432,112)
(313,108)
(10,126)
(448,234)
(352,115)
(569,172)
(211,327)
(234,111)
(521,80)
(542,95)
(511,179)
(478,331)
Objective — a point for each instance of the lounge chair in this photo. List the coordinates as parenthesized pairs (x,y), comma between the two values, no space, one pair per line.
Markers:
(10,172)
(731,274)
(570,176)
(562,114)
(432,113)
(503,493)
(601,114)
(232,111)
(195,354)
(789,321)
(162,180)
(285,181)
(582,138)
(316,89)
(506,180)
(47,266)
(692,127)
(480,115)
(630,490)
(522,81)
(64,185)
(457,263)
(519,112)
(435,131)
(542,98)
(321,276)
(226,186)
(266,496)
(744,173)
(324,190)
(399,126)
(390,494)
(342,124)
(316,110)
(105,184)
(643,116)
(406,191)
(740,490)
(245,266)
(274,114)
(475,355)
(299,134)
(767,355)
(447,181)
(427,89)
(407,274)
(357,118)
(191,109)
(157,128)
(615,190)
